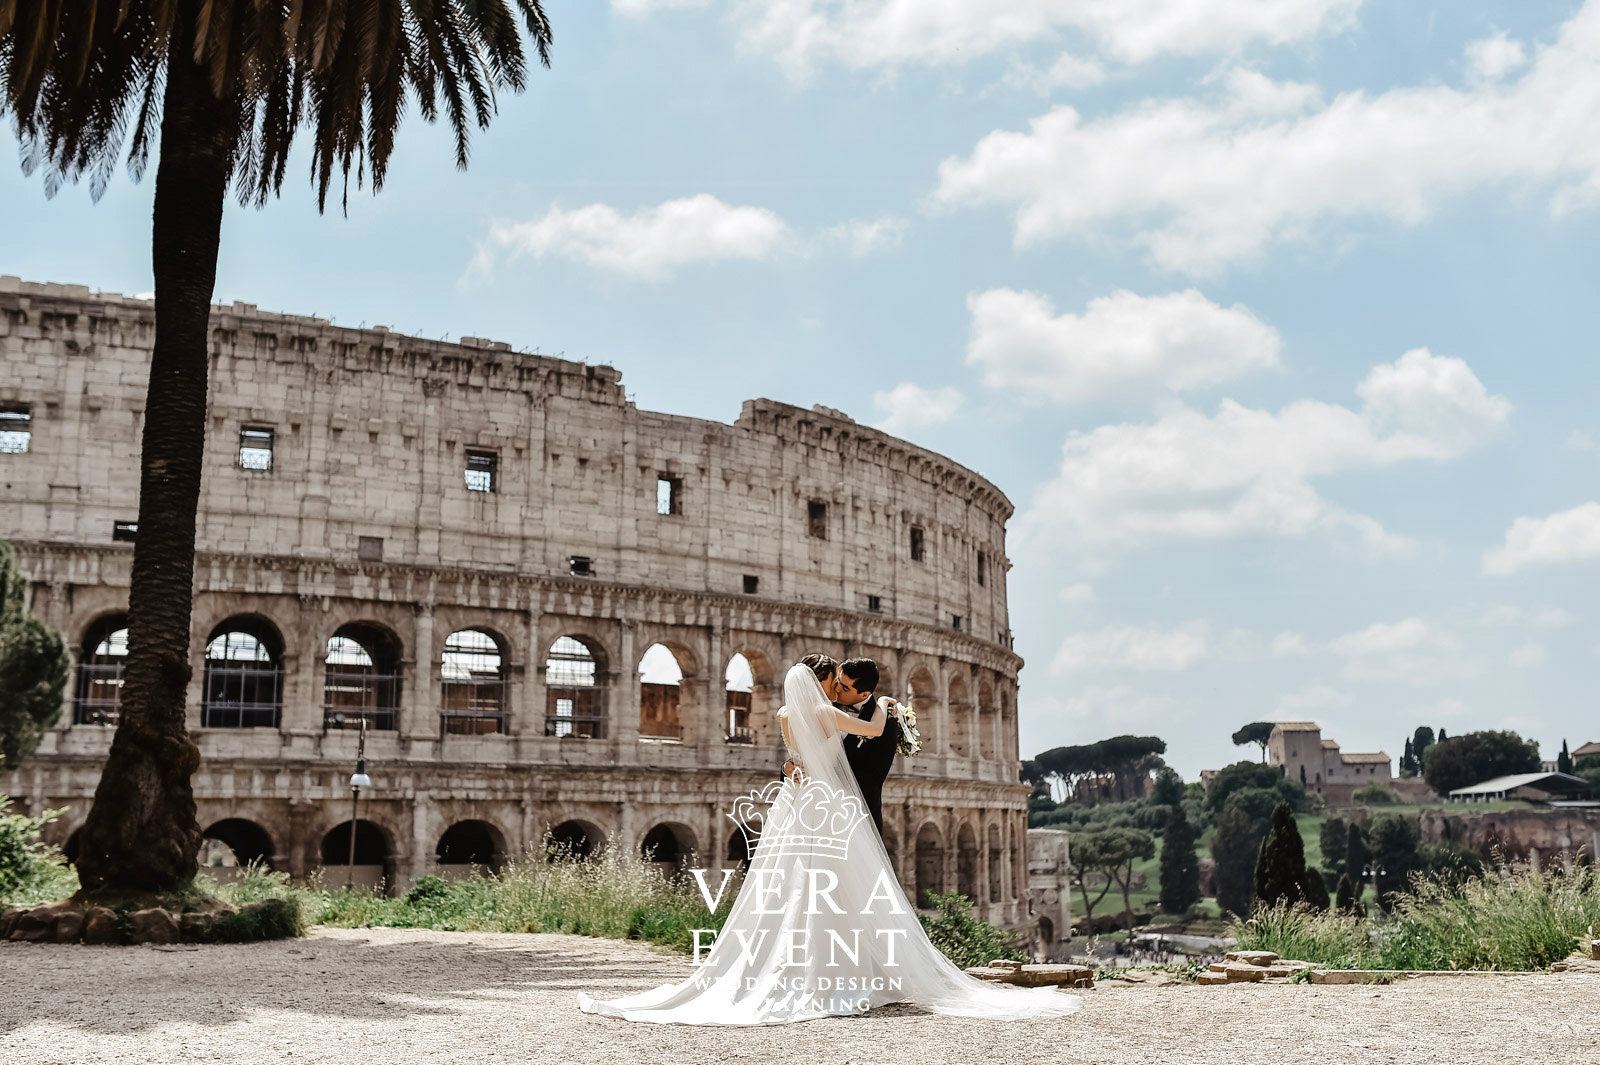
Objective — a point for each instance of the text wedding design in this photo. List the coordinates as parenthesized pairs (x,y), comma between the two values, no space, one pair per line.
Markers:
(810,823)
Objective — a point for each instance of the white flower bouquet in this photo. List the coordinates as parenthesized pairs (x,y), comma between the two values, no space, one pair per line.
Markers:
(910,739)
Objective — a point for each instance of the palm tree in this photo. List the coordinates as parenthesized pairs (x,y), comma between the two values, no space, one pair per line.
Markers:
(230,84)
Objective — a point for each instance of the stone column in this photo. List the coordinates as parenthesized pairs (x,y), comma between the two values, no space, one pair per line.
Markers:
(623,697)
(419,718)
(711,724)
(422,848)
(714,859)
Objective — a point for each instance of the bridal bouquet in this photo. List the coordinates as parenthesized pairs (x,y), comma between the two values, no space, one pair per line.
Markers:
(910,739)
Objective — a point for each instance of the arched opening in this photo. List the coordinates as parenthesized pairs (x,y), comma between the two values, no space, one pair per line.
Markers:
(891,844)
(930,865)
(574,839)
(988,723)
(995,864)
(961,714)
(967,863)
(373,860)
(472,676)
(573,691)
(362,678)
(243,685)
(469,846)
(98,697)
(741,846)
(660,681)
(922,693)
(1047,936)
(740,682)
(667,847)
(231,844)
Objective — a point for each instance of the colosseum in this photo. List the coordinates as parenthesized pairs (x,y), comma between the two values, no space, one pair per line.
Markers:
(544,609)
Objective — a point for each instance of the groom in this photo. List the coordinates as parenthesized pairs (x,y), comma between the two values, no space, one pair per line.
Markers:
(849,685)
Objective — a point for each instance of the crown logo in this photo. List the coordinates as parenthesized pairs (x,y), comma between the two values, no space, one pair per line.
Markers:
(812,820)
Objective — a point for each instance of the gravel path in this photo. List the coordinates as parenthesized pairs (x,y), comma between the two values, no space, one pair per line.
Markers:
(394,997)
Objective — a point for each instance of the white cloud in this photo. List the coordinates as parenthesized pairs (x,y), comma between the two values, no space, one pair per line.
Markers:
(1494,57)
(1307,703)
(1077,594)
(1289,643)
(1067,72)
(865,236)
(1403,652)
(908,407)
(1509,614)
(1245,472)
(1204,183)
(1582,441)
(650,243)
(1528,656)
(1568,536)
(1118,704)
(869,34)
(1121,344)
(1130,647)
(641,8)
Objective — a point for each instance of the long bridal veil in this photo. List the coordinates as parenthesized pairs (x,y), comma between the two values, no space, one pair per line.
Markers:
(820,925)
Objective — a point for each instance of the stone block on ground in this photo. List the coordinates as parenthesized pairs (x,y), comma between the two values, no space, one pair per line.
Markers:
(1241,974)
(100,925)
(1594,949)
(8,920)
(154,925)
(1211,978)
(1251,957)
(69,926)
(1005,963)
(194,926)
(34,926)
(1036,975)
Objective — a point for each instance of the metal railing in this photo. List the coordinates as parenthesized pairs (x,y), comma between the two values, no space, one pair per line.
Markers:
(351,695)
(99,693)
(583,726)
(741,734)
(242,696)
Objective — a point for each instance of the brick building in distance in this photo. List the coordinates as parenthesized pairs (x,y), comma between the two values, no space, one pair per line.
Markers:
(1298,746)
(473,551)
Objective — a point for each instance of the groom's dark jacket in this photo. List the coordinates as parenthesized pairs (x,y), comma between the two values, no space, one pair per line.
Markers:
(871,757)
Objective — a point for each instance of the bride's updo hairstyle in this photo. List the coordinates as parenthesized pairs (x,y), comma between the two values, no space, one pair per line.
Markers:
(821,665)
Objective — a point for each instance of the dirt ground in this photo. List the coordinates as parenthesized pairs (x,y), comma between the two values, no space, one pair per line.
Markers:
(381,996)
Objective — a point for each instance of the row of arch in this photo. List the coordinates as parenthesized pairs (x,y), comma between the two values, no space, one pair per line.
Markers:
(364,674)
(472,844)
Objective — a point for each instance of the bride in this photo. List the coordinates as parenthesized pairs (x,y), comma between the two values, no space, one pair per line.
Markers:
(820,926)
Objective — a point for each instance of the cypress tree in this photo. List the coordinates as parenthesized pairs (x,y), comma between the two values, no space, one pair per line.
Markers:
(1408,765)
(1316,891)
(1234,848)
(1356,854)
(1563,760)
(1180,866)
(1345,900)
(1281,863)
(1335,837)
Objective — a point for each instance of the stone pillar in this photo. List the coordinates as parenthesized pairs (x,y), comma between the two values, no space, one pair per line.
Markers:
(714,845)
(422,847)
(527,714)
(623,709)
(625,829)
(951,849)
(419,718)
(711,723)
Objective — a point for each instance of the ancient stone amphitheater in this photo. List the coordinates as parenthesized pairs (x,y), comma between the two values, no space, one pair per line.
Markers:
(552,610)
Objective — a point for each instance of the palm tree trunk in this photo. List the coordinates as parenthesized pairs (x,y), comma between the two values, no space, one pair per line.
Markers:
(141,833)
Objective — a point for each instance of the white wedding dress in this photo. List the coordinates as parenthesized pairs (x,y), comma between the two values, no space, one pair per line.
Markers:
(820,926)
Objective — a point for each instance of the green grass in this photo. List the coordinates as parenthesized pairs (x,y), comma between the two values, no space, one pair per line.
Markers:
(1515,919)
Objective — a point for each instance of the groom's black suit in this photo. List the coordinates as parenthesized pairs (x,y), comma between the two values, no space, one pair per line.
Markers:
(871,757)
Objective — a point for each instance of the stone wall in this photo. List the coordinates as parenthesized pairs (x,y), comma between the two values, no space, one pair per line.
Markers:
(1539,834)
(790,532)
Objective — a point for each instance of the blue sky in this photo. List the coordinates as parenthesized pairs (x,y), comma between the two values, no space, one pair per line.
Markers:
(1275,318)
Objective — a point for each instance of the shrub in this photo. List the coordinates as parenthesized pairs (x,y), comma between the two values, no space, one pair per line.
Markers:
(1375,795)
(1281,863)
(963,938)
(1180,866)
(31,870)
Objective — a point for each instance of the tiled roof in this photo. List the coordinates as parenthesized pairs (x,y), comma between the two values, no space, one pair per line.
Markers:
(1587,749)
(1377,757)
(1297,726)
(1330,745)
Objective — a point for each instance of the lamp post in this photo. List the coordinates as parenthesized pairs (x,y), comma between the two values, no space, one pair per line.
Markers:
(358,780)
(1375,870)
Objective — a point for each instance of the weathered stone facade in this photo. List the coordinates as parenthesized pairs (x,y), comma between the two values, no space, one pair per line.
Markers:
(785,532)
(1298,746)
(1542,835)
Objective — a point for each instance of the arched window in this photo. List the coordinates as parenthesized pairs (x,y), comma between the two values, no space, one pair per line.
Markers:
(99,691)
(362,678)
(741,681)
(474,684)
(244,676)
(660,677)
(573,692)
